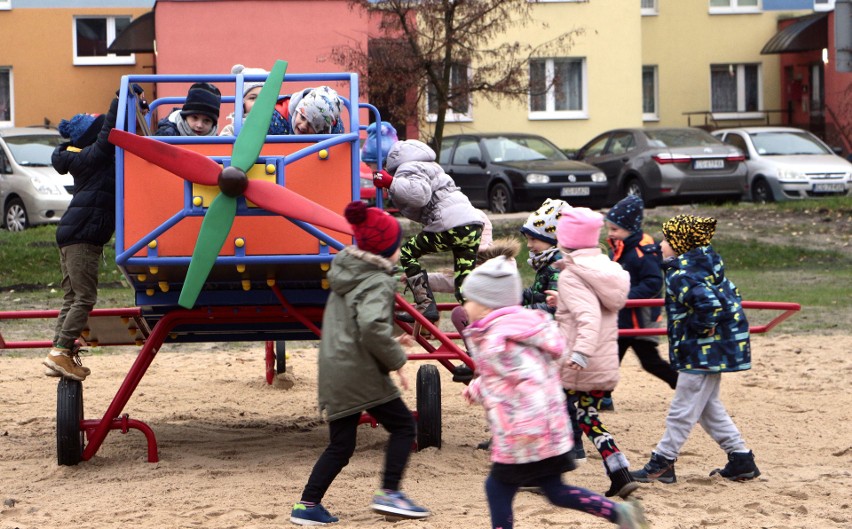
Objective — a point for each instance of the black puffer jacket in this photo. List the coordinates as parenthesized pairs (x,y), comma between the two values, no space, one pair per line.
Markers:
(90,217)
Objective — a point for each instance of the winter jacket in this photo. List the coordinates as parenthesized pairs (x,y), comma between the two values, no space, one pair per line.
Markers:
(357,349)
(641,257)
(546,278)
(90,217)
(518,353)
(592,289)
(699,298)
(424,193)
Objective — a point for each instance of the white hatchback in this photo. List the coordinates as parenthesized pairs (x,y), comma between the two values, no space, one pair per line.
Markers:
(786,163)
(31,191)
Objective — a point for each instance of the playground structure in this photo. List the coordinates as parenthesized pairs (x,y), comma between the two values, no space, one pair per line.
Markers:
(252,269)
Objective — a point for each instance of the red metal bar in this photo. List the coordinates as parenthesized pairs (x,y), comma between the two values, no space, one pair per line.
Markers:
(124,423)
(270,362)
(296,314)
(448,350)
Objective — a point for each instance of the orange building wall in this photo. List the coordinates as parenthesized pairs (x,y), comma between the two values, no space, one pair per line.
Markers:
(38,45)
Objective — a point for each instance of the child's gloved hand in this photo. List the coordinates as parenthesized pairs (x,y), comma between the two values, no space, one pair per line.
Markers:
(382,179)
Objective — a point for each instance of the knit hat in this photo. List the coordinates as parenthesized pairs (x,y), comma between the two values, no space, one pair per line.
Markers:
(376,231)
(541,224)
(202,98)
(494,284)
(82,129)
(579,228)
(627,213)
(686,232)
(249,85)
(321,107)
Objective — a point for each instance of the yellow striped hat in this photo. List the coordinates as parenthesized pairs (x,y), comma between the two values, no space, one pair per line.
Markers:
(685,232)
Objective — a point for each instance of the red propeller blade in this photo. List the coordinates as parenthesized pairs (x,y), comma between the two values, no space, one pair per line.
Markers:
(187,164)
(281,200)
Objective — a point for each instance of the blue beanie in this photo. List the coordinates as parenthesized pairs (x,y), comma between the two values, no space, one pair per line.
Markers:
(202,98)
(627,213)
(76,127)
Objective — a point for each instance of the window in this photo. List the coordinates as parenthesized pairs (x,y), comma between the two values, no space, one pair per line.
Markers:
(558,89)
(819,5)
(5,96)
(459,97)
(92,36)
(649,94)
(466,149)
(649,7)
(5,5)
(724,7)
(735,89)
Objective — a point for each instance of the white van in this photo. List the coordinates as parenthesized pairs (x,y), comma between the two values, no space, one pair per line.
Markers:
(31,191)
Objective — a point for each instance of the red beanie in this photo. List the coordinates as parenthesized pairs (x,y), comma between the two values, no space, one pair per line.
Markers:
(376,231)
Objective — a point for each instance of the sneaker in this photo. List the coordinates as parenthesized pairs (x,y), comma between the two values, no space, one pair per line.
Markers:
(622,484)
(316,515)
(606,404)
(740,467)
(657,469)
(395,503)
(578,454)
(631,515)
(462,373)
(484,445)
(61,362)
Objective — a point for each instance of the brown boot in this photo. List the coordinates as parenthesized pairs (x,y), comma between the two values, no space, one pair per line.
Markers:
(61,363)
(424,300)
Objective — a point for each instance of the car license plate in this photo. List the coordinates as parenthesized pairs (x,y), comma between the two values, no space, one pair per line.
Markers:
(575,192)
(829,188)
(717,163)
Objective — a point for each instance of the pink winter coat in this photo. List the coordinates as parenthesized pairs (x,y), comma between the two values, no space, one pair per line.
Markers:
(517,354)
(592,289)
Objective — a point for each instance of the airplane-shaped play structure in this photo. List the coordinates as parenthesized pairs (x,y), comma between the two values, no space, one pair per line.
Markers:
(229,239)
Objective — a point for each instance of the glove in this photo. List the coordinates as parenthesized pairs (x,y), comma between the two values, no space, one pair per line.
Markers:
(382,179)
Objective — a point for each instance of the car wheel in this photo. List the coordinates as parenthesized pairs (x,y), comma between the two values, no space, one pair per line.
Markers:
(761,192)
(500,199)
(15,215)
(634,187)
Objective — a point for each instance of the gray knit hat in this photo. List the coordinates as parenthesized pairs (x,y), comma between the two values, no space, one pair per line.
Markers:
(494,284)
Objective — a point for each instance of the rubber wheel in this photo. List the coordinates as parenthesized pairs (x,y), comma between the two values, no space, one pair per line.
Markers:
(500,199)
(428,407)
(280,356)
(69,414)
(634,187)
(15,216)
(761,193)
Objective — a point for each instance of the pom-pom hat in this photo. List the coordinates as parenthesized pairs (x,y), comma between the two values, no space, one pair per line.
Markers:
(687,232)
(579,228)
(494,284)
(376,231)
(82,129)
(249,85)
(627,213)
(204,99)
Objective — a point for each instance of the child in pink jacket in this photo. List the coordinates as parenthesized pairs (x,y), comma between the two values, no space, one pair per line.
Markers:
(592,289)
(517,353)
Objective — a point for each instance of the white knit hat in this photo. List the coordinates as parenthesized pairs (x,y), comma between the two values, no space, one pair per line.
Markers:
(494,284)
(248,85)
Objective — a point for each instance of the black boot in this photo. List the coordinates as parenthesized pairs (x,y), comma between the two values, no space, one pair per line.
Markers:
(740,467)
(622,485)
(424,300)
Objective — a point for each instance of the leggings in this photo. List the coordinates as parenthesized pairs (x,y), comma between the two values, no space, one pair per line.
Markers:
(588,420)
(463,241)
(500,496)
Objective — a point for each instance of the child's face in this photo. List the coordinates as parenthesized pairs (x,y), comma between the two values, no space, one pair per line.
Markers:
(301,124)
(250,98)
(614,231)
(475,311)
(536,245)
(199,123)
(666,248)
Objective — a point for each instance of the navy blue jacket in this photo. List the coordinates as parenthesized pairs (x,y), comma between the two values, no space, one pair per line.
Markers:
(641,257)
(90,217)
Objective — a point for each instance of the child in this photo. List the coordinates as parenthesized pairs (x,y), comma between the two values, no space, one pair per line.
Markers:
(199,115)
(445,281)
(251,89)
(540,232)
(636,252)
(518,352)
(311,111)
(592,289)
(356,357)
(708,335)
(84,229)
(424,193)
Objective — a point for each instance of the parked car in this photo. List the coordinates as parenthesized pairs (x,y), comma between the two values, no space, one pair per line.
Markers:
(667,165)
(31,191)
(507,172)
(786,163)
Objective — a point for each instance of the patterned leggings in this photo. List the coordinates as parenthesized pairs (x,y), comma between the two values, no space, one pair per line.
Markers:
(587,403)
(463,241)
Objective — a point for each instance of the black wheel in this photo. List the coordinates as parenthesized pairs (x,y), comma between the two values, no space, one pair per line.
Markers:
(428,407)
(69,414)
(280,356)
(15,216)
(500,199)
(634,187)
(761,192)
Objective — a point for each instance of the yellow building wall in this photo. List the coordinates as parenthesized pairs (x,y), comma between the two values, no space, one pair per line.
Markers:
(612,46)
(38,45)
(683,40)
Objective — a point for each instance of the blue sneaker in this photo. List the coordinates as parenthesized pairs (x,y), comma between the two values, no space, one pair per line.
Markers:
(395,503)
(316,515)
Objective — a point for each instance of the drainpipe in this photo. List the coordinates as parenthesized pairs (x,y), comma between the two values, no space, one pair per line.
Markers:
(843,35)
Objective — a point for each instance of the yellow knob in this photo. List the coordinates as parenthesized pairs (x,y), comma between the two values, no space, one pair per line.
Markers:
(125,320)
(85,333)
(153,269)
(149,291)
(324,284)
(141,277)
(323,154)
(152,244)
(270,282)
(197,201)
(172,335)
(324,267)
(241,268)
(246,284)
(270,168)
(132,332)
(164,286)
(239,242)
(139,343)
